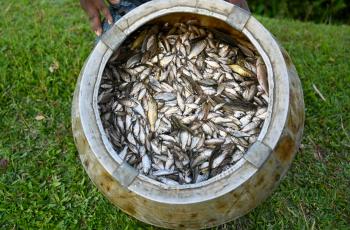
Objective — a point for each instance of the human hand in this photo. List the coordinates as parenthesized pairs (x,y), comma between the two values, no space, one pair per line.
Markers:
(94,9)
(241,3)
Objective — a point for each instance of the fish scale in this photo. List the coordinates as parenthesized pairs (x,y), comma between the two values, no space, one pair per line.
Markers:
(185,105)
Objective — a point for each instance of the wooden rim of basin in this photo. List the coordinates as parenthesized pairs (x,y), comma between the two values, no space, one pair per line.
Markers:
(256,155)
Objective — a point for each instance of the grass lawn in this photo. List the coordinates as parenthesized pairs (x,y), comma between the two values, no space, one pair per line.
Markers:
(42,182)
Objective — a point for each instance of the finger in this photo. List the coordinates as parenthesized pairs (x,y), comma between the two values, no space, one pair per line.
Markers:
(96,23)
(105,11)
(114,2)
(107,14)
(94,16)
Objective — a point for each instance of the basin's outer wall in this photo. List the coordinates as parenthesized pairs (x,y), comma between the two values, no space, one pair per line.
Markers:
(214,212)
(202,214)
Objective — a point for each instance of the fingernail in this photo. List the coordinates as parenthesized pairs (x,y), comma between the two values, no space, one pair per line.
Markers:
(110,21)
(114,1)
(98,32)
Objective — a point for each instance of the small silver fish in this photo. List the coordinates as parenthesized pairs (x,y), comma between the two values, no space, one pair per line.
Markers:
(166,60)
(167,138)
(152,112)
(168,181)
(215,141)
(165,96)
(184,137)
(261,74)
(197,49)
(218,160)
(183,103)
(146,163)
(203,156)
(180,102)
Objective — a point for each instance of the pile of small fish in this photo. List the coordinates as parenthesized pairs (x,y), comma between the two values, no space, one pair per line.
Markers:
(180,104)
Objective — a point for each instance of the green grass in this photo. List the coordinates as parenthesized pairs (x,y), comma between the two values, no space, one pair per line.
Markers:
(44,184)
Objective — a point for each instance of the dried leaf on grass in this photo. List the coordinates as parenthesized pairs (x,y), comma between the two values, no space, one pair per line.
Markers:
(318,92)
(39,117)
(54,66)
(319,152)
